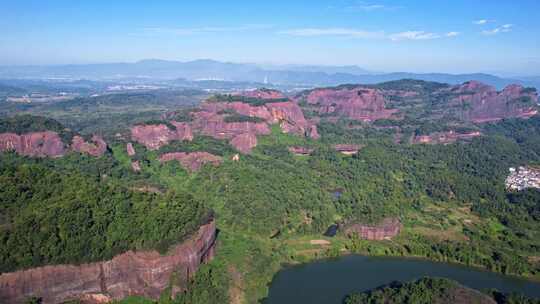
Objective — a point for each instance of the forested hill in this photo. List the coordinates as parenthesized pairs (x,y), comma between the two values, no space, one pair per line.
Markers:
(433,290)
(57,212)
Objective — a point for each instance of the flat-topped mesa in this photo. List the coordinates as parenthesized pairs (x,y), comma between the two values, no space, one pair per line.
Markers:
(33,144)
(154,136)
(387,229)
(300,150)
(97,147)
(142,273)
(482,103)
(192,161)
(357,103)
(214,125)
(347,149)
(444,137)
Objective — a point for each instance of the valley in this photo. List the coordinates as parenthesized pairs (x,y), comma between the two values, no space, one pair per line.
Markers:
(406,168)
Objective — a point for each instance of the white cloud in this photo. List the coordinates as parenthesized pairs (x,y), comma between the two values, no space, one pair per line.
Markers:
(501,29)
(311,32)
(203,30)
(369,7)
(414,35)
(356,33)
(481,21)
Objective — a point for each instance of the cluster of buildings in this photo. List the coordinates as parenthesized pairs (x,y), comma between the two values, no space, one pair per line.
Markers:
(522,178)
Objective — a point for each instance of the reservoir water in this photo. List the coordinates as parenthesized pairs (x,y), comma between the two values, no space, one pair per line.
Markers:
(328,281)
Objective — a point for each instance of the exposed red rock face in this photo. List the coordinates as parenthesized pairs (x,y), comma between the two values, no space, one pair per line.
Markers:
(244,142)
(239,107)
(389,228)
(313,133)
(290,117)
(228,130)
(444,137)
(35,144)
(264,94)
(136,166)
(300,150)
(96,148)
(155,136)
(347,149)
(192,161)
(130,149)
(145,273)
(482,103)
(364,104)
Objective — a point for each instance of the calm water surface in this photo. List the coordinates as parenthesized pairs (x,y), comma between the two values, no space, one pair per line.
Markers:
(328,281)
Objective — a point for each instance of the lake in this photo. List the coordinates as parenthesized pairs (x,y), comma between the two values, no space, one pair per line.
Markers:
(329,281)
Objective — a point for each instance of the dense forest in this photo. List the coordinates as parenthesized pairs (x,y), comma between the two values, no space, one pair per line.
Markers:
(53,216)
(450,198)
(433,290)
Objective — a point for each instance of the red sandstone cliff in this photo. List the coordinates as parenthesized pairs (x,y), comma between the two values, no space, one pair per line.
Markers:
(357,103)
(387,229)
(144,273)
(155,136)
(192,161)
(49,144)
(482,103)
(35,144)
(96,147)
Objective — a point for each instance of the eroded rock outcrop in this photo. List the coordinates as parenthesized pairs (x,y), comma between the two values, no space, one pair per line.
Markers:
(444,137)
(290,117)
(145,273)
(482,103)
(34,144)
(347,149)
(387,229)
(358,103)
(97,147)
(155,136)
(300,150)
(136,166)
(130,149)
(192,161)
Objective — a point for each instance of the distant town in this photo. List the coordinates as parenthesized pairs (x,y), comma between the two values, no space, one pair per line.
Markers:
(522,178)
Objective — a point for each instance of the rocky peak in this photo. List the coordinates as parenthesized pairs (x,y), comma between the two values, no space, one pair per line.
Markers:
(482,103)
(154,136)
(357,103)
(474,86)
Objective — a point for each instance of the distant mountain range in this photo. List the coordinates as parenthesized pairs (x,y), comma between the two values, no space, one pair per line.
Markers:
(289,75)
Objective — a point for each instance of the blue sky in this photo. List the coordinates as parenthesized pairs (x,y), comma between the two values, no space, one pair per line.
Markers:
(382,35)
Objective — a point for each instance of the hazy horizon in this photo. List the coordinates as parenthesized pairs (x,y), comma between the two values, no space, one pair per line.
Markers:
(456,37)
